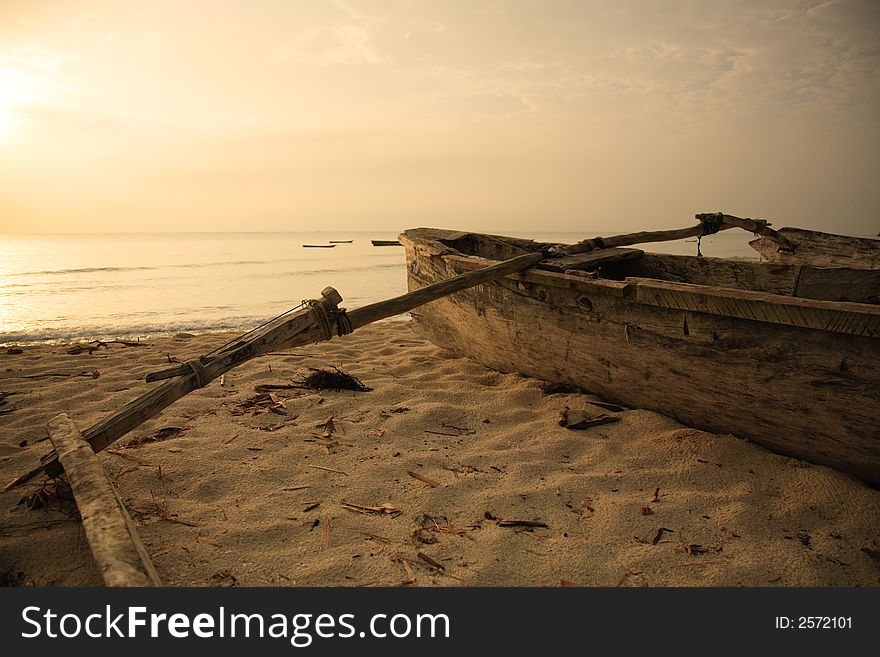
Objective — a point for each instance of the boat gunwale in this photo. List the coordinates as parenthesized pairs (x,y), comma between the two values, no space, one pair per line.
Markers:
(628,288)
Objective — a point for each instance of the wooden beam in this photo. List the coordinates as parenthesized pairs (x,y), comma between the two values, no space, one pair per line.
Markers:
(836,316)
(406,302)
(719,220)
(111,534)
(821,249)
(590,259)
(289,330)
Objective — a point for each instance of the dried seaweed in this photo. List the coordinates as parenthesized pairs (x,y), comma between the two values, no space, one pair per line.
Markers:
(52,494)
(335,379)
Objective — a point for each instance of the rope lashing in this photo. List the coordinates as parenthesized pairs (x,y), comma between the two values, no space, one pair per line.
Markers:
(343,323)
(322,318)
(329,318)
(202,378)
(712,222)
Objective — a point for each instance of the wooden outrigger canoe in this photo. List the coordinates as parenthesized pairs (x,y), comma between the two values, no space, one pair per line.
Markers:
(785,353)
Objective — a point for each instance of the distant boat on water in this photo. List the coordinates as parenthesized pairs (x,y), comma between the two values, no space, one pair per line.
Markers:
(341,241)
(318,246)
(386,243)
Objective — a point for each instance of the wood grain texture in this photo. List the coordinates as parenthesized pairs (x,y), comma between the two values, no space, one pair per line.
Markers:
(837,317)
(805,392)
(111,534)
(805,281)
(839,284)
(440,288)
(590,260)
(822,249)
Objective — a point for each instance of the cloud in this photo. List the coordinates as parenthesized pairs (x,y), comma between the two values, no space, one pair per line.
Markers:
(352,46)
(346,39)
(562,92)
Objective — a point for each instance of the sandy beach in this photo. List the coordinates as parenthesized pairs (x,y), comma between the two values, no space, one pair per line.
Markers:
(415,482)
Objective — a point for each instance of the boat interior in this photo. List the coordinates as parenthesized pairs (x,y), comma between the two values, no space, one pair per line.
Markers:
(798,280)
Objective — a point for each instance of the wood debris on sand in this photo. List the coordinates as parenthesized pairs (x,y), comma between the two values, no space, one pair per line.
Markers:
(386,509)
(266,402)
(111,534)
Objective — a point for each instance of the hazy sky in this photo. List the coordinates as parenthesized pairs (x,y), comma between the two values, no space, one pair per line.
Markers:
(502,116)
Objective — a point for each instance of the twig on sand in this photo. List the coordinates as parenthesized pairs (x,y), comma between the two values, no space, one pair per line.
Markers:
(430,561)
(409,571)
(321,467)
(88,373)
(386,508)
(422,478)
(522,523)
(659,535)
(425,560)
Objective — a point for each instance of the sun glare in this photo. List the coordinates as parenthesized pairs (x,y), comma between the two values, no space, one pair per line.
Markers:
(27,79)
(11,95)
(9,122)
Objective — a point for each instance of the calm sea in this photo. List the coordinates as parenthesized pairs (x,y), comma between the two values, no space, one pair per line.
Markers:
(71,287)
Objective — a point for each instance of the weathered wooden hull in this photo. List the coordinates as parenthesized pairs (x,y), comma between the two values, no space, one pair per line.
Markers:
(801,377)
(822,249)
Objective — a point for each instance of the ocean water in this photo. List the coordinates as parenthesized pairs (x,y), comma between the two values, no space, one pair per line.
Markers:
(89,286)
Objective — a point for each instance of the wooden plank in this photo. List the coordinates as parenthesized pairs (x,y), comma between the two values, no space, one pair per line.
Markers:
(590,259)
(838,317)
(491,247)
(822,249)
(805,281)
(839,284)
(111,534)
(723,272)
